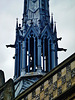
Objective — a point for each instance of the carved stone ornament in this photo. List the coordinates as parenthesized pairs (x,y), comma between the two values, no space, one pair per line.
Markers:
(34,1)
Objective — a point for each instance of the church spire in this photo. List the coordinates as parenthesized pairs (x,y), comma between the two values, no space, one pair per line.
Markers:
(52,21)
(55,31)
(16,23)
(24,13)
(35,40)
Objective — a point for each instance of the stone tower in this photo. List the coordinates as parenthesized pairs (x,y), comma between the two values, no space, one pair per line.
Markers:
(36,41)
(36,44)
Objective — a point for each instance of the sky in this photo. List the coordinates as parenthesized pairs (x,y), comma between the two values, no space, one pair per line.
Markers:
(64,16)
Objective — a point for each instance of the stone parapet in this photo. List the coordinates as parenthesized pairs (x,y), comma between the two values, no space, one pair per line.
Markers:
(54,84)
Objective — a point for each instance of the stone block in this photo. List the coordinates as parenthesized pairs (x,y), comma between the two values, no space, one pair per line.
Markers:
(38,91)
(59,83)
(33,99)
(55,78)
(50,89)
(63,79)
(46,84)
(55,86)
(55,94)
(47,98)
(69,84)
(68,76)
(41,95)
(9,90)
(64,87)
(46,93)
(59,90)
(73,80)
(38,97)
(72,65)
(73,73)
(30,96)
(58,75)
(51,96)
(42,88)
(50,81)
(33,94)
(63,71)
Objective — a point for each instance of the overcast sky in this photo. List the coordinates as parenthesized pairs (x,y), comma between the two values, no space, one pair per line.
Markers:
(64,15)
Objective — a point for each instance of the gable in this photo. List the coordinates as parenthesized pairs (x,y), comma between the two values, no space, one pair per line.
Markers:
(46,32)
(31,32)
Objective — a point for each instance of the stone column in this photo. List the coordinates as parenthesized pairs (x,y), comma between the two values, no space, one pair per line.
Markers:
(28,54)
(15,74)
(56,56)
(49,55)
(34,54)
(18,66)
(44,54)
(24,58)
(39,69)
(20,57)
(53,54)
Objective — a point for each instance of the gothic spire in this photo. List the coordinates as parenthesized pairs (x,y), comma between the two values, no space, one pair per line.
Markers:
(55,27)
(16,23)
(52,21)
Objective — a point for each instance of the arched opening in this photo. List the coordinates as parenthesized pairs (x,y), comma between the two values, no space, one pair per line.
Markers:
(31,54)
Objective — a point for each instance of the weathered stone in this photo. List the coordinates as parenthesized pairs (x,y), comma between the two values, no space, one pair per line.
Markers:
(55,94)
(42,88)
(72,65)
(55,78)
(38,97)
(63,79)
(55,86)
(41,95)
(38,91)
(68,69)
(50,81)
(33,94)
(46,92)
(59,90)
(68,76)
(64,87)
(63,71)
(47,98)
(50,89)
(59,75)
(9,90)
(69,84)
(73,73)
(2,78)
(73,80)
(59,83)
(30,96)
(46,84)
